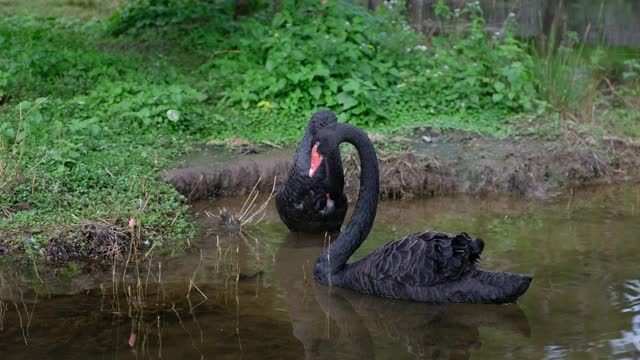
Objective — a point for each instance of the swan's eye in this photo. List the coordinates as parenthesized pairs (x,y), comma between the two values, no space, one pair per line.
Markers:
(317,143)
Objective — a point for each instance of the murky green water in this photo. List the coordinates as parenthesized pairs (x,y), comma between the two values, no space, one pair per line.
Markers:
(583,250)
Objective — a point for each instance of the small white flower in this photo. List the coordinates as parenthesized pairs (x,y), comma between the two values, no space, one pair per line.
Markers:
(435,56)
(497,33)
(417,68)
(326,37)
(363,45)
(347,24)
(270,32)
(333,41)
(428,71)
(173,115)
(445,67)
(408,49)
(288,25)
(463,104)
(475,64)
(512,15)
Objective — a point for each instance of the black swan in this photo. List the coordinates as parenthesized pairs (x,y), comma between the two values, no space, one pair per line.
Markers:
(313,201)
(430,266)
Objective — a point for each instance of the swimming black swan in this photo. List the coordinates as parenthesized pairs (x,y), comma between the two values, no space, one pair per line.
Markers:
(313,201)
(430,266)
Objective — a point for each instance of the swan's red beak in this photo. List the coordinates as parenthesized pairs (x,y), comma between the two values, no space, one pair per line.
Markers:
(316,160)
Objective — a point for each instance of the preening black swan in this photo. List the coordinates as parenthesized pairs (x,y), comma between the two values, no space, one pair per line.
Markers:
(313,201)
(430,266)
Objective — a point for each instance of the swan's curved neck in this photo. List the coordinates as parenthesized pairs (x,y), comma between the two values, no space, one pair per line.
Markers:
(303,153)
(333,259)
(334,178)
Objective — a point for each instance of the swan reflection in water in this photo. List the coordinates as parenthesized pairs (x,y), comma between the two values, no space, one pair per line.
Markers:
(335,321)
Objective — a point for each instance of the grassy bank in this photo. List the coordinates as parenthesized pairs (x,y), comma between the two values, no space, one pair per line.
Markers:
(91,110)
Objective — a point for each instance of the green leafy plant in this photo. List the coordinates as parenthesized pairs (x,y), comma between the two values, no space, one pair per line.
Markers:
(470,70)
(632,72)
(140,14)
(311,55)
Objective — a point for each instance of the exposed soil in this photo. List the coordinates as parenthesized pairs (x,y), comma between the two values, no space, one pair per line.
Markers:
(452,162)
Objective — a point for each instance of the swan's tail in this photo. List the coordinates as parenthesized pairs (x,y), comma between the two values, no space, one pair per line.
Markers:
(477,245)
(496,287)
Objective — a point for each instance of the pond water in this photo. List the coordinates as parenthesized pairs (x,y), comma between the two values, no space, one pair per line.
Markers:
(582,248)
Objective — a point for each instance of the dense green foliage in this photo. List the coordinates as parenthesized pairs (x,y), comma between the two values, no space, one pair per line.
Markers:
(92,111)
(370,68)
(85,144)
(141,14)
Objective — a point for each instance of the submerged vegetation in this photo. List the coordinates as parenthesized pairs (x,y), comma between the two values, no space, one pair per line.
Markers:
(92,110)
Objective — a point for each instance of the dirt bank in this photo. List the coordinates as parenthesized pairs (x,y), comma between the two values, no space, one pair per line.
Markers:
(451,162)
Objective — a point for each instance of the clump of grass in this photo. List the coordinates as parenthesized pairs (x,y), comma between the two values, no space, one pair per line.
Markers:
(250,213)
(566,79)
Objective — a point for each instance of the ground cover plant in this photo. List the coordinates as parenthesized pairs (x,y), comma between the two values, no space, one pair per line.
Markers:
(92,110)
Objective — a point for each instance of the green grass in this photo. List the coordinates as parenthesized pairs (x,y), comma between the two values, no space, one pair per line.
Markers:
(91,111)
(83,9)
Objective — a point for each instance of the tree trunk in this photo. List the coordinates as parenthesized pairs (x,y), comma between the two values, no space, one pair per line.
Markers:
(554,22)
(423,18)
(242,8)
(276,6)
(373,4)
(416,9)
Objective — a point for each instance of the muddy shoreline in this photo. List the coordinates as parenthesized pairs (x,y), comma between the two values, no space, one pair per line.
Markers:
(451,162)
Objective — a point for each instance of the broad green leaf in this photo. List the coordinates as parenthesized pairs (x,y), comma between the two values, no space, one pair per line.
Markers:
(315,92)
(294,76)
(322,70)
(269,65)
(352,86)
(279,19)
(346,100)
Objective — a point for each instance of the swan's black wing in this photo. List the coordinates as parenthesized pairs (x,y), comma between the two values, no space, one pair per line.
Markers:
(432,267)
(419,260)
(302,207)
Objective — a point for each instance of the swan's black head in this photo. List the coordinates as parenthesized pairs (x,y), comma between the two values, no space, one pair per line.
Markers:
(321,119)
(325,146)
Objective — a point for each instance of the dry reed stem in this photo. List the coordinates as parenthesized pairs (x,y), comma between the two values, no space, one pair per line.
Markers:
(249,210)
(262,208)
(192,284)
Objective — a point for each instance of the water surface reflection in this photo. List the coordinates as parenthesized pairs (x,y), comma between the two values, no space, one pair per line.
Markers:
(252,295)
